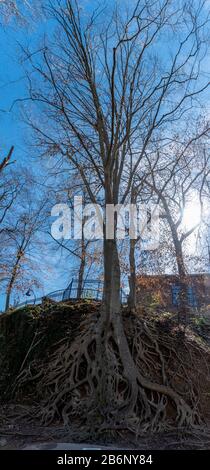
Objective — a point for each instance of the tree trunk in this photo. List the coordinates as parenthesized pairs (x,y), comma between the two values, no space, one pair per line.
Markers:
(8,292)
(132,277)
(81,278)
(183,298)
(81,268)
(13,278)
(7,299)
(111,295)
(183,284)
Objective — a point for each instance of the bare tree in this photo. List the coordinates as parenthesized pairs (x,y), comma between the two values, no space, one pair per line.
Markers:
(107,94)
(20,243)
(95,124)
(10,187)
(78,251)
(83,254)
(176,180)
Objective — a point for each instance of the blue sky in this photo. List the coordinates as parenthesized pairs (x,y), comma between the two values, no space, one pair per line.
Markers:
(14,132)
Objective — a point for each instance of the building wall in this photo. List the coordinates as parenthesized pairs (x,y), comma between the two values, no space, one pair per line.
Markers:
(157,290)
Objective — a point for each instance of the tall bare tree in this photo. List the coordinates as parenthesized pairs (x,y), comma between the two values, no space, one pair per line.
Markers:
(107,94)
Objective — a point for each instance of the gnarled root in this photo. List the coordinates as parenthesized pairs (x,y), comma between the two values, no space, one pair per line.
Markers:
(111,380)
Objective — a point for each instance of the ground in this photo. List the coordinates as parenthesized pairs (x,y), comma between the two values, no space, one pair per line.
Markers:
(55,437)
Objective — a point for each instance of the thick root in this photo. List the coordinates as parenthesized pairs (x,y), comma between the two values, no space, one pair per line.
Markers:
(108,380)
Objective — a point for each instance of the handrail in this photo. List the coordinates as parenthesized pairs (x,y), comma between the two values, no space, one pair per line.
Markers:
(71,293)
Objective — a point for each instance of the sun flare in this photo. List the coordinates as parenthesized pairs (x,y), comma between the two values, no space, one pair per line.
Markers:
(192,214)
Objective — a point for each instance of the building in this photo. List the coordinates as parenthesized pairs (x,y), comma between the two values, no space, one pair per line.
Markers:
(162,291)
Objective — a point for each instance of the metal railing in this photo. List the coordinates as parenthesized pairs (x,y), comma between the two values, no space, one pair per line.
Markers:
(91,290)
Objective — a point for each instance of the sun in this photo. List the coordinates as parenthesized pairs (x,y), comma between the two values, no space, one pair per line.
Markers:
(192,214)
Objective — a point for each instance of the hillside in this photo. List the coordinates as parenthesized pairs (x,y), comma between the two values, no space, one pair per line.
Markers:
(35,368)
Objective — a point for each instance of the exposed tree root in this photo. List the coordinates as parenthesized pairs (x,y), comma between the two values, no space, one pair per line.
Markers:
(138,381)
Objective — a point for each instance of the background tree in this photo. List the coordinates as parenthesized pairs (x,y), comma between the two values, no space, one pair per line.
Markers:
(21,242)
(83,255)
(177,182)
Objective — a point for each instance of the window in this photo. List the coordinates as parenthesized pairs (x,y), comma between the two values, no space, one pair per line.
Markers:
(191,296)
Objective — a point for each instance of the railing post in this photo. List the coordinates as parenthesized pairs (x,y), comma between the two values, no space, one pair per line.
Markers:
(98,290)
(70,288)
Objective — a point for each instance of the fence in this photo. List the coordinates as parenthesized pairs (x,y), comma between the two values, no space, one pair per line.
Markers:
(91,289)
